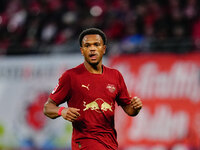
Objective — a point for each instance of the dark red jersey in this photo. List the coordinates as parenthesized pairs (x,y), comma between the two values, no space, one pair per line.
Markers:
(95,95)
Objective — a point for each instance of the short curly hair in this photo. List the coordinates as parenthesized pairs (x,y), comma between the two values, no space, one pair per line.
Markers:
(92,31)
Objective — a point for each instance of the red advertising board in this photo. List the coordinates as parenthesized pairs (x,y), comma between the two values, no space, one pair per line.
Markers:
(169,86)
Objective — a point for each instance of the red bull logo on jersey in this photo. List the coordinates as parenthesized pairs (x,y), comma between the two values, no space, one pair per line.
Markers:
(97,105)
(105,106)
(92,105)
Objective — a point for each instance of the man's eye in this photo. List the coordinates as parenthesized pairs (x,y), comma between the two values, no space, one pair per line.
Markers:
(96,44)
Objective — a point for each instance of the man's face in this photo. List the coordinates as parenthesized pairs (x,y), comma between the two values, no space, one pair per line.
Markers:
(93,48)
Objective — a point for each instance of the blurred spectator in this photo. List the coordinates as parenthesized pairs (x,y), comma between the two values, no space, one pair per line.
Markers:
(191,9)
(27,27)
(132,43)
(196,33)
(161,34)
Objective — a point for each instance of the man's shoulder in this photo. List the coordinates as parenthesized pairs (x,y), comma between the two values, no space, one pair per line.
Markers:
(74,70)
(111,69)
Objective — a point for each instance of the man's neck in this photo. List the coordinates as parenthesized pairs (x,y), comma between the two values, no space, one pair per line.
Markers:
(96,69)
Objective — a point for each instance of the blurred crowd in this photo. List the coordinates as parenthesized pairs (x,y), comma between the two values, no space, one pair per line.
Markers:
(46,26)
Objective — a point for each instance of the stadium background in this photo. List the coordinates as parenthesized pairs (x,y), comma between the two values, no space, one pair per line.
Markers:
(154,43)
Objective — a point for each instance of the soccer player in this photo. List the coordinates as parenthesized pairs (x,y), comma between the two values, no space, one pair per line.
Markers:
(91,90)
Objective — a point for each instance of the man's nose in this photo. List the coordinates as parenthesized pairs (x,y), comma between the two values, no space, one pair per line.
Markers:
(93,48)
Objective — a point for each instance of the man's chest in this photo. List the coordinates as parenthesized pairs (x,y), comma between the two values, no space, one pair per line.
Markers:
(97,94)
(95,87)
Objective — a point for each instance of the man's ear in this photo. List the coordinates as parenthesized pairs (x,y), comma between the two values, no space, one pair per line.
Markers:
(104,48)
(81,50)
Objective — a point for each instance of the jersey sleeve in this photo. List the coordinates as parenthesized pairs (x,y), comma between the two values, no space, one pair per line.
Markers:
(61,92)
(123,97)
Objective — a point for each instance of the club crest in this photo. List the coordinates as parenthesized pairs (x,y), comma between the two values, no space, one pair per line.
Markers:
(111,88)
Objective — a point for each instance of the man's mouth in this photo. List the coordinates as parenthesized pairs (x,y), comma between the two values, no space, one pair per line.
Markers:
(93,56)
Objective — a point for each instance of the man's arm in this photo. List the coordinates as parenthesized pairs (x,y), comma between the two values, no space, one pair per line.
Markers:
(134,107)
(51,110)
